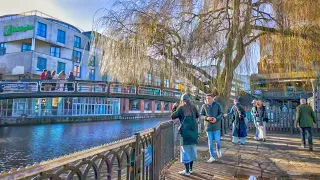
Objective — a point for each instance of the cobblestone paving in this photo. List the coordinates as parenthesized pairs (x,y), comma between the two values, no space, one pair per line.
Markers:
(281,157)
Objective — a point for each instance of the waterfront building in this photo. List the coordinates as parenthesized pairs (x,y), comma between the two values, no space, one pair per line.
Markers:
(34,41)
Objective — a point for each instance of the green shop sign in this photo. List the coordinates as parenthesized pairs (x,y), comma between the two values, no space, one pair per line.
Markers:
(9,30)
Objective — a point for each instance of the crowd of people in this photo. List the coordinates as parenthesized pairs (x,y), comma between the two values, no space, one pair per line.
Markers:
(47,76)
(211,113)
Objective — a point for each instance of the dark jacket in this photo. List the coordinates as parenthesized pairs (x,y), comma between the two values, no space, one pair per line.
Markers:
(305,116)
(189,128)
(240,127)
(213,110)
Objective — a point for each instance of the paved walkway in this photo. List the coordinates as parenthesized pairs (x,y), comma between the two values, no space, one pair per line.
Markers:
(281,157)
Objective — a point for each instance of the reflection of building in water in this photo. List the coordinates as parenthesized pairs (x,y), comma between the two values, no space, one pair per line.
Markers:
(78,106)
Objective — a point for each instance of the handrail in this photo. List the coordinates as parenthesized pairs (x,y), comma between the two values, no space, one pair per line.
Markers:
(107,89)
(129,151)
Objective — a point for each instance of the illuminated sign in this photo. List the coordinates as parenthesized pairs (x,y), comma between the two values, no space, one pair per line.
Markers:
(9,30)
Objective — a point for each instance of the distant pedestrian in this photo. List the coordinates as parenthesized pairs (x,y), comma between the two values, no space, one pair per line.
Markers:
(239,124)
(71,78)
(43,74)
(305,119)
(187,114)
(1,76)
(260,119)
(26,76)
(62,77)
(211,113)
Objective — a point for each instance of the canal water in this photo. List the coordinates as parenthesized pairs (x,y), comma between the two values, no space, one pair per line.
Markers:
(23,145)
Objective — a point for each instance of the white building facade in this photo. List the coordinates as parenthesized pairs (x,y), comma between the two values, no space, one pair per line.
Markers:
(31,42)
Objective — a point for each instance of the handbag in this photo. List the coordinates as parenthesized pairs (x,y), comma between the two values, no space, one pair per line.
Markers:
(180,126)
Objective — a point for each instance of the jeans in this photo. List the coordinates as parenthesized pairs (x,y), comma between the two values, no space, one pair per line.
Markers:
(214,135)
(303,135)
(236,139)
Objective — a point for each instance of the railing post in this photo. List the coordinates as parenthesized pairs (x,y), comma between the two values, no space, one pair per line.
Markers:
(137,158)
(151,172)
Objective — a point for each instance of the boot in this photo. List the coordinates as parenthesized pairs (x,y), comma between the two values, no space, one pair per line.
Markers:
(310,147)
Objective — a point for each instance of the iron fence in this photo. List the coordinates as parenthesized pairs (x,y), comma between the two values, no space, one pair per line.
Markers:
(142,156)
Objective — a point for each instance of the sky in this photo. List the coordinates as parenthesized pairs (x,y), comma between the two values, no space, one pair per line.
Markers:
(78,13)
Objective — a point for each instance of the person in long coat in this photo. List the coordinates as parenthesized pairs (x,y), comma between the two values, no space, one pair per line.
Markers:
(187,114)
(239,124)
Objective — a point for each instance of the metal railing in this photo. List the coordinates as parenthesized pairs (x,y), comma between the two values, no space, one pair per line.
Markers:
(142,156)
(54,86)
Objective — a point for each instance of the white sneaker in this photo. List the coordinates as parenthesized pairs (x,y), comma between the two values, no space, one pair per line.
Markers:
(219,154)
(190,171)
(211,160)
(184,173)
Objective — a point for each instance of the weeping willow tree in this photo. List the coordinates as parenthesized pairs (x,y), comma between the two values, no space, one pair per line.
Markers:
(201,41)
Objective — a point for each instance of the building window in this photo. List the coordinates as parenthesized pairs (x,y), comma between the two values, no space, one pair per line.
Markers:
(92,61)
(147,106)
(42,30)
(77,71)
(77,56)
(41,64)
(148,79)
(92,74)
(134,105)
(166,83)
(77,42)
(61,36)
(55,51)
(61,67)
(158,81)
(3,47)
(25,47)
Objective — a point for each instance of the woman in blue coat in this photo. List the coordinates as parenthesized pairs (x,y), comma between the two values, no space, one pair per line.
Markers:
(240,127)
(187,114)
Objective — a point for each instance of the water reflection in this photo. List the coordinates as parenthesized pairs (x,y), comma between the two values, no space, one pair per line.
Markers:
(22,145)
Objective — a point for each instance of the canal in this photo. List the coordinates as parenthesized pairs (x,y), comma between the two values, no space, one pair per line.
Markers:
(23,145)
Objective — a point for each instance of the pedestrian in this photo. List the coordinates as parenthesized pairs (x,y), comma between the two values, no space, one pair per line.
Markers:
(62,77)
(239,124)
(305,119)
(54,77)
(260,119)
(230,113)
(42,78)
(48,78)
(43,74)
(71,78)
(187,114)
(26,76)
(211,113)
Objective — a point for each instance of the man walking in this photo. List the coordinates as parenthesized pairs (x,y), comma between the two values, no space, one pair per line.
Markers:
(211,113)
(305,119)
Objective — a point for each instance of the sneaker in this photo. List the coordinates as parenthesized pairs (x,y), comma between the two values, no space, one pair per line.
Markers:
(184,173)
(219,154)
(264,140)
(303,146)
(211,160)
(191,172)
